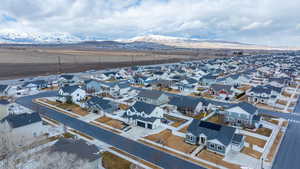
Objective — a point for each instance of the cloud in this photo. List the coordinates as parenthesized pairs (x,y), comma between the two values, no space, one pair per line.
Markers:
(256,25)
(232,20)
(298,26)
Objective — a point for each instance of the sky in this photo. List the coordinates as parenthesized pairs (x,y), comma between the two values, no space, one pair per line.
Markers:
(267,22)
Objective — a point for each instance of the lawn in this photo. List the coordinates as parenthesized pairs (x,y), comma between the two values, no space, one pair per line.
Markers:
(273,149)
(216,158)
(255,141)
(262,131)
(249,151)
(176,121)
(167,139)
(184,129)
(217,118)
(111,161)
(111,122)
(73,108)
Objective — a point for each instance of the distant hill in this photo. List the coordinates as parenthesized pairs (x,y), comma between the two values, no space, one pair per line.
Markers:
(147,42)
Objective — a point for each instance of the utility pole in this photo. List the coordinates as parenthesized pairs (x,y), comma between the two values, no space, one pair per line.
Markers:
(58,64)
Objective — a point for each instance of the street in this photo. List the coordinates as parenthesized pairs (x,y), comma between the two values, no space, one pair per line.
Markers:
(152,155)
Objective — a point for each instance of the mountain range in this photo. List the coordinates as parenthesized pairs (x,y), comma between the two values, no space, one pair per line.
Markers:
(139,42)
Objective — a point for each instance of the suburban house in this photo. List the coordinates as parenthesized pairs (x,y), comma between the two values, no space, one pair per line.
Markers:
(24,126)
(35,85)
(71,94)
(4,90)
(141,80)
(92,86)
(236,80)
(152,97)
(144,115)
(184,87)
(242,114)
(67,80)
(264,94)
(100,105)
(214,137)
(222,91)
(207,80)
(162,83)
(81,149)
(189,105)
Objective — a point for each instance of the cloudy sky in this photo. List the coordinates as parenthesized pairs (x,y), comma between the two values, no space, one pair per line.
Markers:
(269,22)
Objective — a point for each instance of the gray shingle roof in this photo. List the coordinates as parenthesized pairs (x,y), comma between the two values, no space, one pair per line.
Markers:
(224,134)
(152,94)
(245,106)
(143,107)
(3,88)
(19,120)
(69,89)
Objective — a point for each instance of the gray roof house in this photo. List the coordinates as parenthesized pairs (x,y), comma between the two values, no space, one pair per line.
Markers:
(24,126)
(98,104)
(215,137)
(20,120)
(3,90)
(152,97)
(144,115)
(242,114)
(189,105)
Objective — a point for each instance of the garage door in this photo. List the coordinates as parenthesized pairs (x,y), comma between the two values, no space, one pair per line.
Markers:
(141,124)
(149,126)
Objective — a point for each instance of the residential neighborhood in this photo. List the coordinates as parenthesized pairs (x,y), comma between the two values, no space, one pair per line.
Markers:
(202,112)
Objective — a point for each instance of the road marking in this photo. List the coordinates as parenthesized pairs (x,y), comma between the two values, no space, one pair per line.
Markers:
(294,121)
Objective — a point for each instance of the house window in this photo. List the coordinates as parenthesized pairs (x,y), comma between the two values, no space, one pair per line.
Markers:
(212,146)
(202,140)
(220,148)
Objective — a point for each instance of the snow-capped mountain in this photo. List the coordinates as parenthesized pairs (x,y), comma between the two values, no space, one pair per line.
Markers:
(9,36)
(194,43)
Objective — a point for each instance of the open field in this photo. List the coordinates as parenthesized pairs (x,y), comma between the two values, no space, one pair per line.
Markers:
(32,61)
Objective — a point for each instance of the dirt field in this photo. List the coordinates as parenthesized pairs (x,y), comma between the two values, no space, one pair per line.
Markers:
(27,62)
(166,138)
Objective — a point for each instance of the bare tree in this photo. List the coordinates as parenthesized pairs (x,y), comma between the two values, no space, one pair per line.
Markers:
(60,161)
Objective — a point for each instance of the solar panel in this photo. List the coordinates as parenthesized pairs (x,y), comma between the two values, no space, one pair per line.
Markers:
(209,125)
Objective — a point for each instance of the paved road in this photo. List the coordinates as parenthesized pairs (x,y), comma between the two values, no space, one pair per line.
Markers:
(149,154)
(287,157)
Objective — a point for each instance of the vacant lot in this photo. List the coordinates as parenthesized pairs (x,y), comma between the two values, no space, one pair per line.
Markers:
(217,159)
(111,122)
(167,139)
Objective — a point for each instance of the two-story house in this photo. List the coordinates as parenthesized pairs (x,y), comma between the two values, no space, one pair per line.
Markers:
(144,115)
(71,94)
(242,114)
(152,97)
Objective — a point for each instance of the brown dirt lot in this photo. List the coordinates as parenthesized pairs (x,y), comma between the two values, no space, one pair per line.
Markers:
(217,159)
(166,138)
(255,141)
(28,62)
(111,122)
(249,151)
(272,152)
(111,161)
(262,131)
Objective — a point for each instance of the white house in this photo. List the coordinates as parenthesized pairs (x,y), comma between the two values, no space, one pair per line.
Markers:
(72,94)
(144,115)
